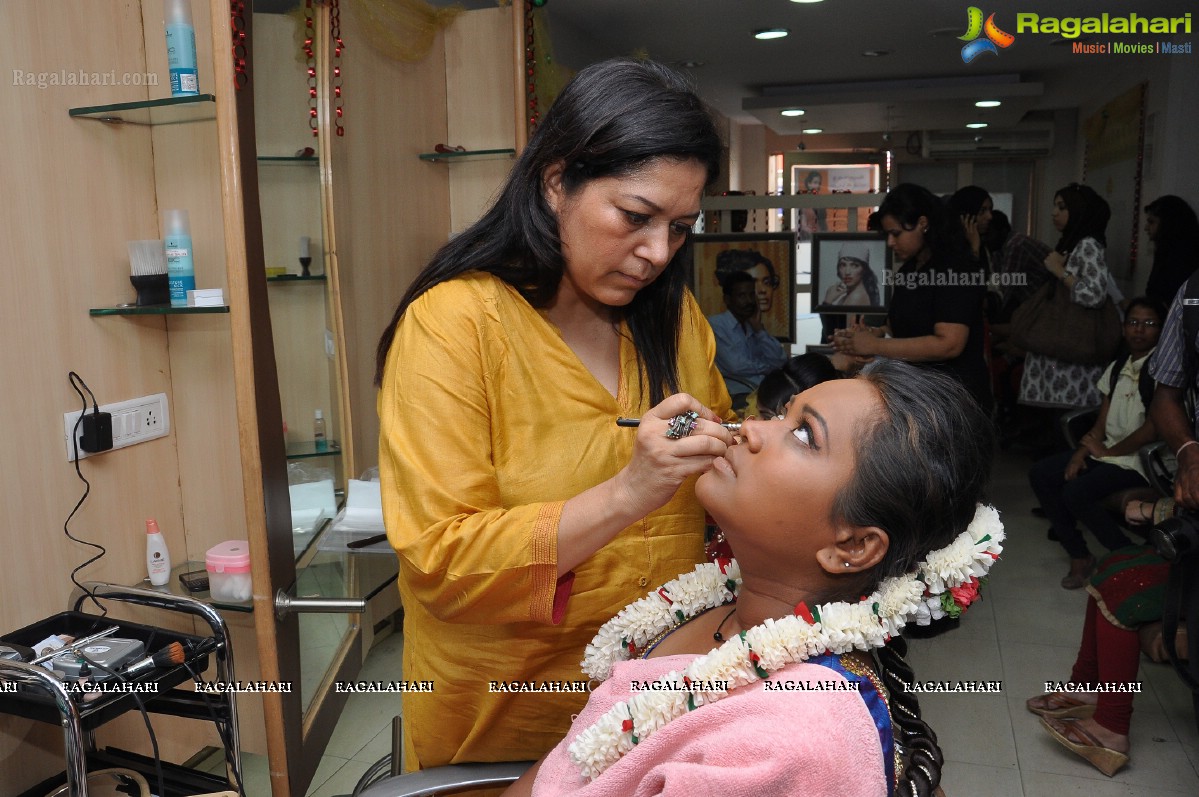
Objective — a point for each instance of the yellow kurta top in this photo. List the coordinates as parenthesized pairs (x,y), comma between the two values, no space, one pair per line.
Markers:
(489,423)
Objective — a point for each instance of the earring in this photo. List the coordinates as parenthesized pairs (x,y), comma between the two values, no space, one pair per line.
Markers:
(924,231)
(847,564)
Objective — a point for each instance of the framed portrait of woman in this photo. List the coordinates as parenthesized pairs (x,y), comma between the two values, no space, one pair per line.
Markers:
(767,257)
(851,273)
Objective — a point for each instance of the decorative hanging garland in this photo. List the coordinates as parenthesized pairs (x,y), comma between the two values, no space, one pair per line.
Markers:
(310,61)
(237,22)
(338,44)
(1136,194)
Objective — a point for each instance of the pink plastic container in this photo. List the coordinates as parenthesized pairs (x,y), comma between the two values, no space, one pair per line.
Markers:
(228,566)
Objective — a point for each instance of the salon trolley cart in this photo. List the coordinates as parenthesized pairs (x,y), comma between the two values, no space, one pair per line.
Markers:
(37,693)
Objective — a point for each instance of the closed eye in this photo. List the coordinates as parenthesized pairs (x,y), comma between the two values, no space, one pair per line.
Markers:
(680,228)
(637,218)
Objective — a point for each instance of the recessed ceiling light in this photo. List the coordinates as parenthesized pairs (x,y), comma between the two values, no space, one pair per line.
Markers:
(875,53)
(792,112)
(976,125)
(987,104)
(811,131)
(807,1)
(771,33)
(690,64)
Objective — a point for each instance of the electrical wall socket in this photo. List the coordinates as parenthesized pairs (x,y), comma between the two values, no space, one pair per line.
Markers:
(133,421)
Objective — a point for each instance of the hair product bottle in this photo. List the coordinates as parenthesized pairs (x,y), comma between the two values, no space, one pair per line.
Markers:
(181,48)
(158,558)
(181,273)
(320,441)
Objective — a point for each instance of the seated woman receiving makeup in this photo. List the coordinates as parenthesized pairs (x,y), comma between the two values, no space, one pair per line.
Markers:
(855,514)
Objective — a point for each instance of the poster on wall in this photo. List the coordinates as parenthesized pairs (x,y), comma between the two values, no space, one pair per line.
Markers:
(850,273)
(831,179)
(1114,138)
(767,257)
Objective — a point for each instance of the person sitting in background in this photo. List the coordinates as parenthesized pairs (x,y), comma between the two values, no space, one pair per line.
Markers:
(1171,225)
(1072,484)
(1127,596)
(797,375)
(745,351)
(835,559)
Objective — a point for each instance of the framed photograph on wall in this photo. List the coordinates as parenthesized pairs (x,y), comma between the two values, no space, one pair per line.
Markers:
(850,273)
(767,257)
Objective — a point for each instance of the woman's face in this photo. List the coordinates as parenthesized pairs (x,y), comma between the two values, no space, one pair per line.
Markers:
(813,183)
(1152,225)
(1142,328)
(906,244)
(1061,214)
(619,233)
(773,494)
(849,270)
(983,219)
(763,286)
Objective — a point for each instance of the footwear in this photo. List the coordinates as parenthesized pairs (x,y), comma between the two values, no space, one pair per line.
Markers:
(1059,705)
(1080,571)
(1076,738)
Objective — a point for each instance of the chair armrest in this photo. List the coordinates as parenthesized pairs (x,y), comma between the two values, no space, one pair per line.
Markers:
(1076,423)
(1159,464)
(440,780)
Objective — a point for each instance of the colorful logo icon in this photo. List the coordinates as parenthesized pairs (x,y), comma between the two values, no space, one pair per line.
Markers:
(975,27)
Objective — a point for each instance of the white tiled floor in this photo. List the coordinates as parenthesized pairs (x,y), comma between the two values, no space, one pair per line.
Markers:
(1024,631)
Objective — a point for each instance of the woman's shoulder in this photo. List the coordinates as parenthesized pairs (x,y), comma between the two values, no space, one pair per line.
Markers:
(475,294)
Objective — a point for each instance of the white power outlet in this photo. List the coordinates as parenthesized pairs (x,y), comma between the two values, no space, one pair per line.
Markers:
(133,421)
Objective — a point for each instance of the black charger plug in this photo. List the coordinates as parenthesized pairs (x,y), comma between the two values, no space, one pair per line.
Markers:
(97,432)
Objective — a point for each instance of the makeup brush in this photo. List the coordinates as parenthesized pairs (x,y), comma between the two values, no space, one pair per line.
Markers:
(148,272)
(169,656)
(634,422)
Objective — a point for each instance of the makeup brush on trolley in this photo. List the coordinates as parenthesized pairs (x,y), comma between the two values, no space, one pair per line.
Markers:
(170,656)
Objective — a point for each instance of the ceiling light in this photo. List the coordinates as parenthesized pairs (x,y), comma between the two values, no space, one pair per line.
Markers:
(976,125)
(771,33)
(811,131)
(792,112)
(875,53)
(987,104)
(690,64)
(807,1)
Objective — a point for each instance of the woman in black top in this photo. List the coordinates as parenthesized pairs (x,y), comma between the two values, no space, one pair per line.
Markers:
(936,312)
(1174,230)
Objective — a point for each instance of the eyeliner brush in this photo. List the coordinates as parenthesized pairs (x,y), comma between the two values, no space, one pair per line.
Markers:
(635,422)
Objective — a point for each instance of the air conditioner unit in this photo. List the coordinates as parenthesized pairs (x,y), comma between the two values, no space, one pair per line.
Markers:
(1032,142)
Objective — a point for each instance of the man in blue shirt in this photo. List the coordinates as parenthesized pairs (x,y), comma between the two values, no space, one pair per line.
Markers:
(745,351)
(1169,367)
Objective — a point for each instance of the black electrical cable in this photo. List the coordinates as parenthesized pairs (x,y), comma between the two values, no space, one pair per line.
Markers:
(221,730)
(145,716)
(87,488)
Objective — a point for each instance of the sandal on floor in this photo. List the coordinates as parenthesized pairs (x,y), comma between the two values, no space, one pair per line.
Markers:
(1059,705)
(1080,572)
(1104,759)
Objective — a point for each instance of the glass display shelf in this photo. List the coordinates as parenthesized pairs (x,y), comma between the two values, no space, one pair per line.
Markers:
(477,154)
(307,448)
(297,278)
(175,587)
(156,309)
(310,160)
(166,111)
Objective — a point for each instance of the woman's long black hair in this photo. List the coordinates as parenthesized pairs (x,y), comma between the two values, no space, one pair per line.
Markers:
(944,237)
(612,119)
(923,471)
(1089,215)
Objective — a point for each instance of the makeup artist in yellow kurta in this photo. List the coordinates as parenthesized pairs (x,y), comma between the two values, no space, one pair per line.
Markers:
(490,423)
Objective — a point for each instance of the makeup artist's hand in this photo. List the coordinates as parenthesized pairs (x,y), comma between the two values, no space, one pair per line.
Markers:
(659,465)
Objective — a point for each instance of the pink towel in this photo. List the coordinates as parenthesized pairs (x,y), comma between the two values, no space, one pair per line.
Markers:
(752,743)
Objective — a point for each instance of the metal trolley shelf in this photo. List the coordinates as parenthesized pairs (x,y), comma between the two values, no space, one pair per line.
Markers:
(44,696)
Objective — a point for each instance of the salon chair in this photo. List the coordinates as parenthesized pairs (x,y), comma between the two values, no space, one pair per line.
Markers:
(383,778)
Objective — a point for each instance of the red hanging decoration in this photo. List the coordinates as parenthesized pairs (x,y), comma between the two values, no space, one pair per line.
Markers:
(310,56)
(530,70)
(237,22)
(338,44)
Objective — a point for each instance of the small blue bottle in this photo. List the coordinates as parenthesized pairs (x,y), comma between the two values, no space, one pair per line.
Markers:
(181,273)
(181,48)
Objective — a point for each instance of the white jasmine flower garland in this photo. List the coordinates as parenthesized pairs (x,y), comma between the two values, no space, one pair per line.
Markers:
(755,653)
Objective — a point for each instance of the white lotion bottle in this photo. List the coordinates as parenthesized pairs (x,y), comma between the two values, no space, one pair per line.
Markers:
(319,440)
(158,558)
